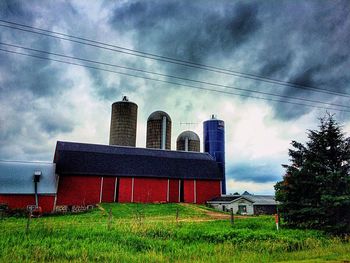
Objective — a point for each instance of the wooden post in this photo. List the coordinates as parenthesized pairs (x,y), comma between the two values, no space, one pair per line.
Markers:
(28,222)
(277,221)
(109,219)
(232,217)
(177,214)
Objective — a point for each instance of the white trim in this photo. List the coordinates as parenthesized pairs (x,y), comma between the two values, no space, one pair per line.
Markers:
(163,142)
(101,189)
(115,189)
(132,190)
(232,201)
(220,187)
(55,200)
(167,193)
(194,191)
(179,190)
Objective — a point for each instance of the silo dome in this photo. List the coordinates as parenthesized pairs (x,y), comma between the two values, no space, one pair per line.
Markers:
(158,115)
(159,131)
(123,123)
(188,141)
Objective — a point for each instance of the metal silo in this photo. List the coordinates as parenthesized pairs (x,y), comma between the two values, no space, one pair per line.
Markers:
(214,143)
(188,141)
(123,123)
(159,131)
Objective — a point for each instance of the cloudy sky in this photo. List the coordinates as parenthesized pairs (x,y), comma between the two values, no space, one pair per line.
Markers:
(304,42)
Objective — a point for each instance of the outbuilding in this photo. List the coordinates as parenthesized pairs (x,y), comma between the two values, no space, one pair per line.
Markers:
(25,185)
(245,204)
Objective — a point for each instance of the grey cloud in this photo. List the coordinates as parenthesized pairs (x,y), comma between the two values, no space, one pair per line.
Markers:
(191,31)
(15,9)
(276,64)
(53,123)
(299,43)
(253,173)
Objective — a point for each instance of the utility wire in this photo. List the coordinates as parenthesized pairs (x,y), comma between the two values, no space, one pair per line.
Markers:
(172,76)
(147,55)
(171,82)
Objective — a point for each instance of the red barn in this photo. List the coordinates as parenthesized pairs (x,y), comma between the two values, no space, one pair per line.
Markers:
(90,174)
(87,174)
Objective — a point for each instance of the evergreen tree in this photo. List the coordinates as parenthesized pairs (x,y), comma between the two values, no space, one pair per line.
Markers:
(315,191)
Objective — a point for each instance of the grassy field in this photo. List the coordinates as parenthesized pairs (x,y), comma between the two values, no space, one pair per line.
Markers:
(151,233)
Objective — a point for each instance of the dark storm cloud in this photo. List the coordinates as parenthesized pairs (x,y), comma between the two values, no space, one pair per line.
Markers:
(27,73)
(190,30)
(111,90)
(15,9)
(253,173)
(27,85)
(304,43)
(52,122)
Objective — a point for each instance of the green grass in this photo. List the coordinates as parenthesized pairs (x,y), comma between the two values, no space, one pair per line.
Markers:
(151,233)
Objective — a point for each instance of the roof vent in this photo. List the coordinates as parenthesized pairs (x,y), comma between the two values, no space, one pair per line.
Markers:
(213,117)
(125,98)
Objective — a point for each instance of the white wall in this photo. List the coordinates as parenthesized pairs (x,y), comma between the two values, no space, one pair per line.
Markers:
(234,205)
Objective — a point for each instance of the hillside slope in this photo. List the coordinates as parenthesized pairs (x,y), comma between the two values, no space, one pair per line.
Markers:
(161,233)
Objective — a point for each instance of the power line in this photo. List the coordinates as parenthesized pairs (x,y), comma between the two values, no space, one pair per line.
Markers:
(152,56)
(171,82)
(172,76)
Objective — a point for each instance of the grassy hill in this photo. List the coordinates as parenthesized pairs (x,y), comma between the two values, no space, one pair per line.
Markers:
(152,233)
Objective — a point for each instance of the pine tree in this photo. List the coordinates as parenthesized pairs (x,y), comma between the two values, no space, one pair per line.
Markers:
(315,191)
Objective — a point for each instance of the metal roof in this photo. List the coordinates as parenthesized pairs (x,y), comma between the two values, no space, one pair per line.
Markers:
(158,115)
(262,199)
(188,134)
(17,177)
(225,198)
(255,199)
(93,159)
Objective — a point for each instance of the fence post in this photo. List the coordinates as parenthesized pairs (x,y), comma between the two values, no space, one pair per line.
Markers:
(232,217)
(277,221)
(177,214)
(110,219)
(28,222)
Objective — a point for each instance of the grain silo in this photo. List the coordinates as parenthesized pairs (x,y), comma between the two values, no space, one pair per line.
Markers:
(188,141)
(158,131)
(214,144)
(123,123)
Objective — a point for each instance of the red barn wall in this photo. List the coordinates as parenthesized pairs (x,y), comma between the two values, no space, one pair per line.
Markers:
(189,191)
(78,190)
(108,189)
(125,190)
(174,191)
(46,202)
(150,190)
(206,190)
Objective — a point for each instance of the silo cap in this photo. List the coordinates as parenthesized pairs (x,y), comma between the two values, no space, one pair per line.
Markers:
(158,115)
(188,134)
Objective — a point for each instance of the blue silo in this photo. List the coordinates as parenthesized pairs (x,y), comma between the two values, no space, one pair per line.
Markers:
(214,143)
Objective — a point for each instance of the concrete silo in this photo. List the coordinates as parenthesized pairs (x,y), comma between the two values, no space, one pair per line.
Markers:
(188,141)
(123,123)
(158,131)
(214,143)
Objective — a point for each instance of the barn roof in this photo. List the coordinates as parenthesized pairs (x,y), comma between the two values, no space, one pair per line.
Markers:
(17,177)
(255,199)
(93,159)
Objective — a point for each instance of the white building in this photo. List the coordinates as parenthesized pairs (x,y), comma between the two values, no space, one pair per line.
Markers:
(246,204)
